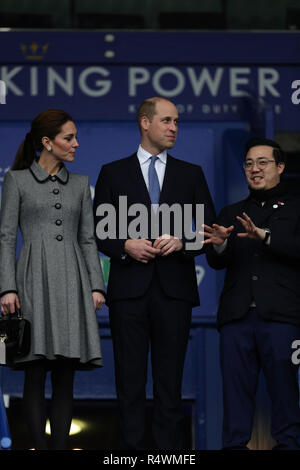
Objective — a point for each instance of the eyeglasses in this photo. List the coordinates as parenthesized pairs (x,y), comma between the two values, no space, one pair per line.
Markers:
(261,163)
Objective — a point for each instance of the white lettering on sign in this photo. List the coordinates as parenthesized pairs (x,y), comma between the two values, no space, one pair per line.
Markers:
(296,94)
(170,82)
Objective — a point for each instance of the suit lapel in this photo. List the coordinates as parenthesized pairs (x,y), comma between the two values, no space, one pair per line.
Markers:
(137,181)
(261,216)
(169,178)
(264,217)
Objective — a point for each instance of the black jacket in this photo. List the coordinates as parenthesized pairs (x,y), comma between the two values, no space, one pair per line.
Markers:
(184,183)
(269,275)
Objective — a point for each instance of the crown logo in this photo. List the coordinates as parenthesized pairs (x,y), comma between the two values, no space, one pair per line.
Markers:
(34,51)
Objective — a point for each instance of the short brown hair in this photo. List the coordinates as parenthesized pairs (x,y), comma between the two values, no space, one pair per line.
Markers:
(148,108)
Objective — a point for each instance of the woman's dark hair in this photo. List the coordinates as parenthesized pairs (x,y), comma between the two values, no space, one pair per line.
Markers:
(46,124)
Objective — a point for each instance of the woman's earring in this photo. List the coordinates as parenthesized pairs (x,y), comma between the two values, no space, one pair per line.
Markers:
(49,148)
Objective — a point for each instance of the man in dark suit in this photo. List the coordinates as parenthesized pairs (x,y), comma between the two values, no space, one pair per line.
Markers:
(257,240)
(152,284)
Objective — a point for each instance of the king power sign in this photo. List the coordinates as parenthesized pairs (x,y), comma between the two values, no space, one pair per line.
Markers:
(96,81)
(113,92)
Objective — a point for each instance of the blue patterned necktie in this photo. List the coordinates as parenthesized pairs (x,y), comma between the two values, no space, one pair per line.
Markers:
(154,189)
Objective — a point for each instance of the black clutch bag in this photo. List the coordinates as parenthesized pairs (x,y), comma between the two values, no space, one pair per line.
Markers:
(14,338)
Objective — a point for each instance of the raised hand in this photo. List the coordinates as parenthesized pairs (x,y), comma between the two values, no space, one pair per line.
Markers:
(251,230)
(216,234)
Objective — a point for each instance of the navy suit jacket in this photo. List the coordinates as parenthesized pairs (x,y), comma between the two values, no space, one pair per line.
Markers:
(184,183)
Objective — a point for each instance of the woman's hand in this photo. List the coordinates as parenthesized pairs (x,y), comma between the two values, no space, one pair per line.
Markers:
(98,299)
(9,302)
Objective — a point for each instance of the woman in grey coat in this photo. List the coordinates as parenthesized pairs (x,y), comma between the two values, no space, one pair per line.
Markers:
(57,280)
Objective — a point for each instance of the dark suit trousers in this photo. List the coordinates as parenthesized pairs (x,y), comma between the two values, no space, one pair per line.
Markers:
(163,323)
(246,346)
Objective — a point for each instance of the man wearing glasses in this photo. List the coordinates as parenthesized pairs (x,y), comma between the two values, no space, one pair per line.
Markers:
(257,240)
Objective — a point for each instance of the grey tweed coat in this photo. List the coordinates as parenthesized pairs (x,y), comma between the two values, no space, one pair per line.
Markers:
(58,266)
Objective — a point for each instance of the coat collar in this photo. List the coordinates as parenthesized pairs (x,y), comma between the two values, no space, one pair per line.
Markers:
(261,214)
(42,175)
(143,155)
